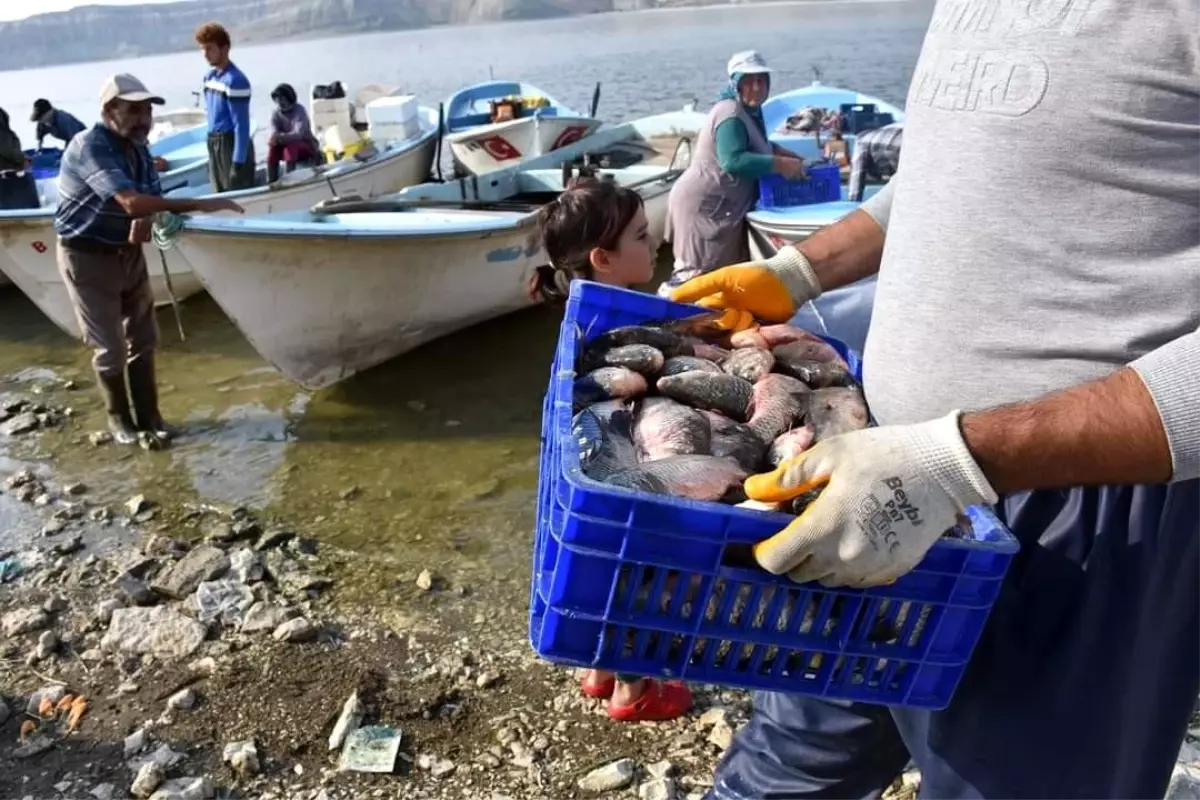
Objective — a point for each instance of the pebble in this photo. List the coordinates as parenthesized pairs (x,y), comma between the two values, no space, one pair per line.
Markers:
(714,716)
(425,580)
(661,770)
(47,645)
(136,742)
(100,438)
(183,700)
(350,492)
(149,777)
(54,604)
(185,789)
(657,790)
(35,746)
(137,504)
(721,735)
(487,680)
(105,609)
(242,757)
(53,528)
(203,666)
(488,760)
(103,791)
(609,778)
(296,630)
(442,767)
(75,489)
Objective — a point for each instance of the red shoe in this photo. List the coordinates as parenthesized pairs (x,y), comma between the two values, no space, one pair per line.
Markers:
(660,701)
(600,690)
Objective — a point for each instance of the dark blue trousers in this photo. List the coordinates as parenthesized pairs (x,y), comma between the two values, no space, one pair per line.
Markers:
(1081,685)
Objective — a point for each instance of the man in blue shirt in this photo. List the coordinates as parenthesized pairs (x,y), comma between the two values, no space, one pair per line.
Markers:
(227,100)
(55,122)
(108,190)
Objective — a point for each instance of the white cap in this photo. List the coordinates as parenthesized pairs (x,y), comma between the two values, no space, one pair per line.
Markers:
(126,87)
(748,62)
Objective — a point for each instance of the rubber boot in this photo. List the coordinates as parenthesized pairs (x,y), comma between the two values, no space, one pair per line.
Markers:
(116,403)
(144,390)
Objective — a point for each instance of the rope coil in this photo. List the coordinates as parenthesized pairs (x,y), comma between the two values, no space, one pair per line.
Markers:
(167,226)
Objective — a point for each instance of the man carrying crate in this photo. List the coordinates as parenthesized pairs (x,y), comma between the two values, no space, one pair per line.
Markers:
(1035,345)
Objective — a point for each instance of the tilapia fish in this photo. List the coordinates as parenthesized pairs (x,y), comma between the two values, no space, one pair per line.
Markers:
(681,364)
(641,358)
(771,336)
(710,391)
(608,383)
(604,432)
(695,477)
(735,441)
(749,363)
(779,402)
(709,351)
(795,359)
(664,428)
(790,445)
(832,412)
(666,342)
(808,350)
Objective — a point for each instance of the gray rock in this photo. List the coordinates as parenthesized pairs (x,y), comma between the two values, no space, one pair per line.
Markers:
(487,680)
(47,645)
(714,716)
(205,563)
(101,514)
(105,609)
(296,630)
(721,735)
(53,528)
(663,789)
(55,603)
(24,620)
(33,747)
(99,438)
(245,529)
(149,777)
(609,778)
(263,616)
(158,630)
(273,539)
(245,566)
(242,757)
(75,489)
(135,591)
(302,545)
(185,789)
(137,504)
(136,742)
(164,757)
(21,423)
(66,548)
(103,791)
(661,770)
(18,479)
(351,718)
(206,667)
(183,700)
(4,712)
(165,546)
(442,767)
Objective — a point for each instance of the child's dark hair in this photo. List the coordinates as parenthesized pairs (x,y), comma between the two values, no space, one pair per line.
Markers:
(589,213)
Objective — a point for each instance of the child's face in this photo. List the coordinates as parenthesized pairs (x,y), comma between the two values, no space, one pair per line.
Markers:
(632,262)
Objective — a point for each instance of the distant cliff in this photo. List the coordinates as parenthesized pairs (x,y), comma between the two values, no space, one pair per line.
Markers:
(94,33)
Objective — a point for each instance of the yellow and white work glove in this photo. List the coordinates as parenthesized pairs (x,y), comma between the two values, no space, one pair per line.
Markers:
(769,290)
(888,494)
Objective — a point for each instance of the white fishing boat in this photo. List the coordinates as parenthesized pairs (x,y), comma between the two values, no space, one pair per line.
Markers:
(861,110)
(326,294)
(27,237)
(499,123)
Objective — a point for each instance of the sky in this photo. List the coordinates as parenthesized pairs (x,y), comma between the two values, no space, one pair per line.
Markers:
(20,9)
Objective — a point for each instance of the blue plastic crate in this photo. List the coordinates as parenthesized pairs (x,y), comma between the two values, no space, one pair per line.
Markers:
(635,582)
(823,185)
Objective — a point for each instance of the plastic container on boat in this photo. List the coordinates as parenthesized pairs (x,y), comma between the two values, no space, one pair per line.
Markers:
(823,185)
(328,114)
(396,109)
(642,583)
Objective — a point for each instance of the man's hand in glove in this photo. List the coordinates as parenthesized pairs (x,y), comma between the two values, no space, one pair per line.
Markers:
(888,494)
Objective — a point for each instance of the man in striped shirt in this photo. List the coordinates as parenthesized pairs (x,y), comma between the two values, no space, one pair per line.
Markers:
(227,100)
(876,157)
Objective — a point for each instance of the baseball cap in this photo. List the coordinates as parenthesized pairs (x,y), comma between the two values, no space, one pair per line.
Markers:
(126,87)
(747,62)
(39,108)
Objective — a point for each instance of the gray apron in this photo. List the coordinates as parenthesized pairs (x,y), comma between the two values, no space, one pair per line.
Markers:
(706,212)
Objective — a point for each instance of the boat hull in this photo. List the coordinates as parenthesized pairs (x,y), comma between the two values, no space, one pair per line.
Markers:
(322,309)
(30,241)
(481,150)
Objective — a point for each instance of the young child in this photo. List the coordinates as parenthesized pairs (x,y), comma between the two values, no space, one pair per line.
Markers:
(598,231)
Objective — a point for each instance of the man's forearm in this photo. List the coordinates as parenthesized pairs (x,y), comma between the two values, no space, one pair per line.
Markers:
(145,205)
(846,251)
(1099,433)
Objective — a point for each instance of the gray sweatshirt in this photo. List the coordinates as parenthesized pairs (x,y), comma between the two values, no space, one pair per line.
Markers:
(1044,227)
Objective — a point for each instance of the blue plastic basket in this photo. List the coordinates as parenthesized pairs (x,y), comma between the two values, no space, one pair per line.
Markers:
(823,185)
(44,165)
(635,582)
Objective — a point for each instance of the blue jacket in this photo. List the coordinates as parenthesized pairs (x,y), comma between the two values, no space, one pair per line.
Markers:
(227,100)
(61,125)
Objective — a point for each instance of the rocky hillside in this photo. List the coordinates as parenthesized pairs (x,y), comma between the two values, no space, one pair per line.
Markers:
(101,32)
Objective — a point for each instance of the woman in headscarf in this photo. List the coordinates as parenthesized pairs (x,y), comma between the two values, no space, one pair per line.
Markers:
(18,189)
(292,140)
(709,202)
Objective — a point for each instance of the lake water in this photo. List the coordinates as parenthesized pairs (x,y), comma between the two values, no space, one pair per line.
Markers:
(442,443)
(647,62)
